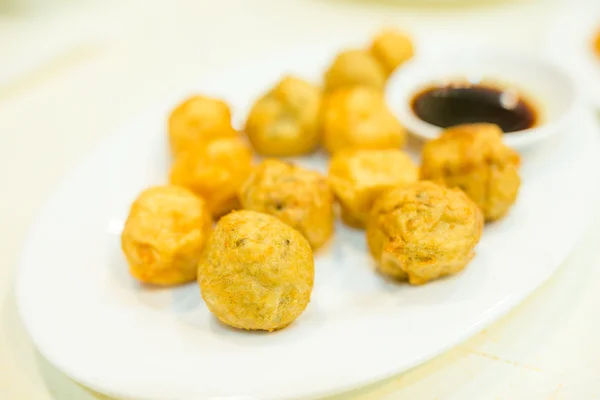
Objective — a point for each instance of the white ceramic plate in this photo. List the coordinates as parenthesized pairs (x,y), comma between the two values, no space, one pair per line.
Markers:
(569,44)
(93,321)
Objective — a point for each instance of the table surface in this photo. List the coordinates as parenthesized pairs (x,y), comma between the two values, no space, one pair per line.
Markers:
(85,69)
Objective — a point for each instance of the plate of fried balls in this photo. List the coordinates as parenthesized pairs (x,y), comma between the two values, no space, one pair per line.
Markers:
(277,233)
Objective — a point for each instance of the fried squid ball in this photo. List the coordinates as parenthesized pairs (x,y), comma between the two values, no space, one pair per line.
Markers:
(354,68)
(257,272)
(284,122)
(215,171)
(299,197)
(199,119)
(423,231)
(165,232)
(473,158)
(392,49)
(358,177)
(359,118)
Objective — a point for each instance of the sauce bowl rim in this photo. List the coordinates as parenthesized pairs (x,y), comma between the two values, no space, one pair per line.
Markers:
(406,82)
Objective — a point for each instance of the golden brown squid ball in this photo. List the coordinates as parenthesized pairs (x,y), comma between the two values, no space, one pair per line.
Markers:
(354,68)
(473,158)
(257,272)
(215,171)
(284,122)
(166,230)
(423,231)
(392,49)
(199,119)
(358,118)
(358,177)
(299,197)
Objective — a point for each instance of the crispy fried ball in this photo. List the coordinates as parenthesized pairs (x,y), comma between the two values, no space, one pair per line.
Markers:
(359,118)
(215,171)
(257,272)
(392,49)
(165,232)
(473,158)
(284,122)
(357,177)
(299,197)
(597,43)
(199,119)
(354,68)
(423,231)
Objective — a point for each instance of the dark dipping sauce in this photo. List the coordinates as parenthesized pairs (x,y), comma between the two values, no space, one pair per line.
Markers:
(451,105)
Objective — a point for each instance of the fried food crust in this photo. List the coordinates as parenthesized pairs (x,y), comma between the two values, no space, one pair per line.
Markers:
(392,48)
(354,68)
(257,273)
(358,177)
(423,232)
(215,171)
(164,235)
(284,121)
(198,119)
(473,158)
(358,118)
(299,197)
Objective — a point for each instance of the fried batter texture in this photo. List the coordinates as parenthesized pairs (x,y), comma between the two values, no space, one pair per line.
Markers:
(199,119)
(391,48)
(357,177)
(354,68)
(284,121)
(299,197)
(165,232)
(358,118)
(257,273)
(215,171)
(473,158)
(423,231)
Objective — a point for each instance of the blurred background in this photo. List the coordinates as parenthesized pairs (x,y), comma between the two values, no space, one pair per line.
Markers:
(72,71)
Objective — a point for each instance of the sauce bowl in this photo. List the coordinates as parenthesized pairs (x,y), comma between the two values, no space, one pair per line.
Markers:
(545,86)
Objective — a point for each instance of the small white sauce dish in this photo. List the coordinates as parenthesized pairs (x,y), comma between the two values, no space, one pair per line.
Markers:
(545,86)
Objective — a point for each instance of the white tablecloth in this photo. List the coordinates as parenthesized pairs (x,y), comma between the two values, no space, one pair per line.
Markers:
(69,77)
